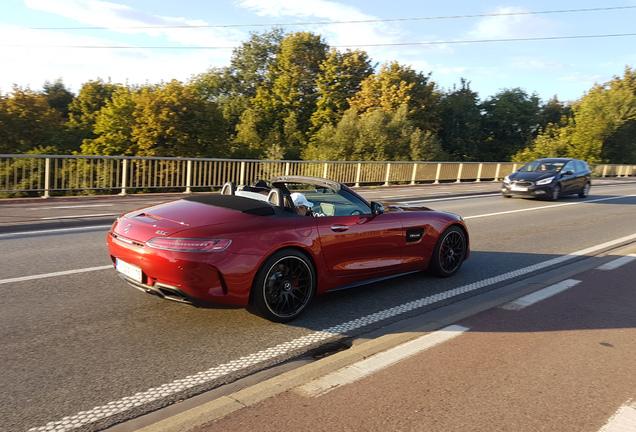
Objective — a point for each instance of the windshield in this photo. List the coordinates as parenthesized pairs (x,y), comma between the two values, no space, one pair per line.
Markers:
(543,166)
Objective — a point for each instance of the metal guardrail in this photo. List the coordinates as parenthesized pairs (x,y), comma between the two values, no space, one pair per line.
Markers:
(44,175)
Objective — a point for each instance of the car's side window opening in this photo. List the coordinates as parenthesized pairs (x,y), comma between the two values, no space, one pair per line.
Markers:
(329,202)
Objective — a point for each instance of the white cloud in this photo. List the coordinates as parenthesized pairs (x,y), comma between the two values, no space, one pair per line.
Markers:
(306,8)
(31,66)
(124,19)
(347,34)
(512,26)
(536,63)
(47,54)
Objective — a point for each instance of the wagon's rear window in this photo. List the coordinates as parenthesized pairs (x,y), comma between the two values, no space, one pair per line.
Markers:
(233,202)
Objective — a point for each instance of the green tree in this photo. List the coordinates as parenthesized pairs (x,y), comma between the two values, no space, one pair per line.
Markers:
(510,121)
(340,78)
(167,120)
(555,140)
(600,129)
(112,124)
(396,85)
(58,95)
(27,122)
(233,87)
(605,119)
(172,120)
(376,136)
(553,112)
(85,108)
(284,104)
(460,121)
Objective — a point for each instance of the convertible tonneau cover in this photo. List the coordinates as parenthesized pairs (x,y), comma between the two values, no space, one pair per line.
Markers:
(234,202)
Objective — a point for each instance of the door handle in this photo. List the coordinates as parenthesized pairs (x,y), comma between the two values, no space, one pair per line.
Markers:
(339,228)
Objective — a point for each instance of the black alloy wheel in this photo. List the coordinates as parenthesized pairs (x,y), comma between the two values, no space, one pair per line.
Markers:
(449,253)
(283,287)
(556,193)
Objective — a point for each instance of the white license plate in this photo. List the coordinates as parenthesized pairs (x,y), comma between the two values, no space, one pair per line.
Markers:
(519,188)
(132,271)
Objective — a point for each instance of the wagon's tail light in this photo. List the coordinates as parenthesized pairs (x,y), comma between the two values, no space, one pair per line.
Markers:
(188,244)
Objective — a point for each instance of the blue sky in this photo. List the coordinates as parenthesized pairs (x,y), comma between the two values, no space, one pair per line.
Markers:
(126,41)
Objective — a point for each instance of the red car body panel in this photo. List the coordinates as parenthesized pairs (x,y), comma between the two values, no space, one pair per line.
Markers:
(344,250)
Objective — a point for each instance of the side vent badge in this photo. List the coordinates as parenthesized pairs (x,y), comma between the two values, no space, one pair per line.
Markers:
(413,235)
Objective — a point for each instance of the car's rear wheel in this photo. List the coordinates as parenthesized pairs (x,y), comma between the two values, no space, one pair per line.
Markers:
(556,193)
(586,191)
(283,287)
(449,253)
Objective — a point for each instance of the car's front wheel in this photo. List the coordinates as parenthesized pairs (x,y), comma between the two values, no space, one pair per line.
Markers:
(556,193)
(283,287)
(449,253)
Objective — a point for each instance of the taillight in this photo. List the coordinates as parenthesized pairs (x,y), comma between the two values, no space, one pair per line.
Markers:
(188,244)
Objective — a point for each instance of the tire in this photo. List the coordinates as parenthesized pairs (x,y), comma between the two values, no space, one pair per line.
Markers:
(449,253)
(556,193)
(586,191)
(506,195)
(283,286)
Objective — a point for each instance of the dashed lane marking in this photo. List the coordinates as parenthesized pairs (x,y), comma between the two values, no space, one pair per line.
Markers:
(78,216)
(53,231)
(71,207)
(537,296)
(618,262)
(48,275)
(623,420)
(377,362)
(549,206)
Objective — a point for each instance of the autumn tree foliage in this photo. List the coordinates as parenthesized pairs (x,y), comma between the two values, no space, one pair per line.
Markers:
(292,96)
(161,120)
(27,122)
(599,128)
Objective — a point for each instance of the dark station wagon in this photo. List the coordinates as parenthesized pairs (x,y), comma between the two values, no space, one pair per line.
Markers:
(549,178)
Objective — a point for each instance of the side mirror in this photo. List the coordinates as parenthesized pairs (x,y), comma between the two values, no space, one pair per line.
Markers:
(376,208)
(568,173)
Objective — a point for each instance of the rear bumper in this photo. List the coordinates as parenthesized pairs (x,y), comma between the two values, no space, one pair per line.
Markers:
(198,279)
(162,290)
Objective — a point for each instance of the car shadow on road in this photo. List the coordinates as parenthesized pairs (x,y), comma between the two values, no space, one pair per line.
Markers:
(414,297)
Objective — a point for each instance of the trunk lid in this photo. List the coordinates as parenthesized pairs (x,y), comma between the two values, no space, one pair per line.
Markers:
(170,218)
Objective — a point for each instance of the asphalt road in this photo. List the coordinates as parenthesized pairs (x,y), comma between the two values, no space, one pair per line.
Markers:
(562,364)
(83,351)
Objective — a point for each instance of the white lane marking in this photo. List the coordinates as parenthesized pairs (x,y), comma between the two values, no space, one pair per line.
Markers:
(542,294)
(614,264)
(201,378)
(424,201)
(377,362)
(547,207)
(488,195)
(623,420)
(48,275)
(78,216)
(53,231)
(71,206)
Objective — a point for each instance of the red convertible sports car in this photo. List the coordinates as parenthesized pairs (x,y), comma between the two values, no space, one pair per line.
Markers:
(259,246)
